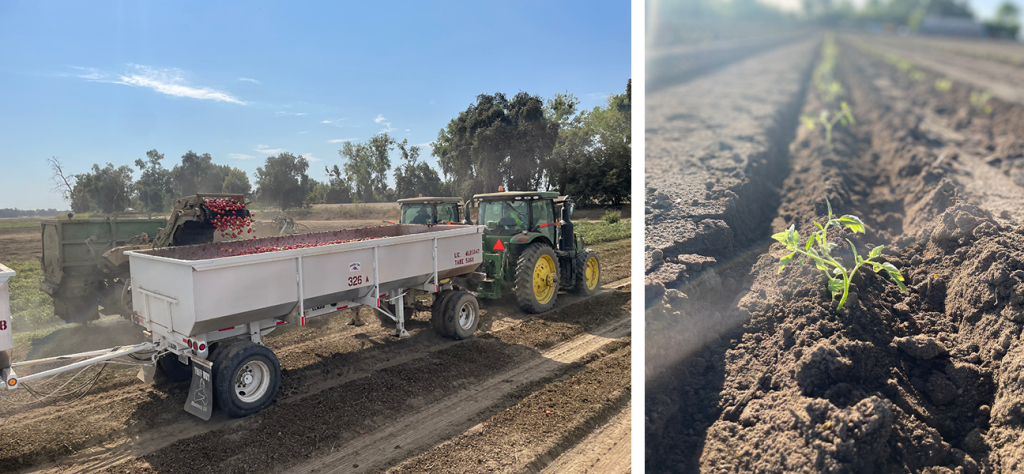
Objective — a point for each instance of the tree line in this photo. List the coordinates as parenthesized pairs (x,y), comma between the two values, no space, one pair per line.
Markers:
(518,143)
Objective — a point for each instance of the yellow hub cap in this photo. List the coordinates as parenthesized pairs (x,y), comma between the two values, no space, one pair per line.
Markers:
(593,272)
(544,279)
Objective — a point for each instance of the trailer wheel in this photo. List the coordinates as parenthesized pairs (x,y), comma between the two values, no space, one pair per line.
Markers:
(588,272)
(461,314)
(537,278)
(437,312)
(172,369)
(246,377)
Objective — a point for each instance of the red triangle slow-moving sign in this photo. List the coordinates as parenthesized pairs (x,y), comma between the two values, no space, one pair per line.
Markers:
(498,245)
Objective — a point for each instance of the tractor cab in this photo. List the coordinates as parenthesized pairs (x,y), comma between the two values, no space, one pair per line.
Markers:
(432,211)
(530,248)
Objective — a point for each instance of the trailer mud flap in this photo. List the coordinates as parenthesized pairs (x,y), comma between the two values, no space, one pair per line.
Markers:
(200,394)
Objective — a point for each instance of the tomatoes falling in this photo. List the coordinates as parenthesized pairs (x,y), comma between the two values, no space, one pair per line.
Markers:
(278,248)
(229,217)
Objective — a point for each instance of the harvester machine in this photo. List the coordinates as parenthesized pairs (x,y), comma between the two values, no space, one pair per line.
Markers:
(84,266)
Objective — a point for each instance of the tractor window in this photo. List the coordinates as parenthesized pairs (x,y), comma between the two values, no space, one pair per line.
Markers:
(543,213)
(447,213)
(503,217)
(417,214)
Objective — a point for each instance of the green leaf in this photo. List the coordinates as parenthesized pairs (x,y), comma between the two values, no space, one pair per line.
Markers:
(810,243)
(856,257)
(781,236)
(893,271)
(903,287)
(819,225)
(877,267)
(808,121)
(837,271)
(829,208)
(875,252)
(835,285)
(853,222)
(785,261)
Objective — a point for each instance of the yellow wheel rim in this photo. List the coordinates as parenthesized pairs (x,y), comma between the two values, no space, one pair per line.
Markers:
(544,279)
(593,272)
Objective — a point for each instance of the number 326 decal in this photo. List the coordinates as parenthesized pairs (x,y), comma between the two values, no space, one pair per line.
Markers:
(355,280)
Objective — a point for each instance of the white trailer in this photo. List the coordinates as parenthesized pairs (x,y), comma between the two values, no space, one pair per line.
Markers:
(6,333)
(207,307)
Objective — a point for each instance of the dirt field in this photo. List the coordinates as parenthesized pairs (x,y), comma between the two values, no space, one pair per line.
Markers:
(755,371)
(528,391)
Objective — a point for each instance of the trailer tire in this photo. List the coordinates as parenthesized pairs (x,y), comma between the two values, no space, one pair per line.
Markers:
(246,377)
(537,278)
(588,272)
(461,315)
(173,370)
(437,312)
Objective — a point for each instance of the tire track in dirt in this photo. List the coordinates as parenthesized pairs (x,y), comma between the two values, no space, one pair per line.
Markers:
(415,433)
(606,450)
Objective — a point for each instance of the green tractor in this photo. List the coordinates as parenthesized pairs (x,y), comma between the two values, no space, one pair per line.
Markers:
(530,252)
(432,211)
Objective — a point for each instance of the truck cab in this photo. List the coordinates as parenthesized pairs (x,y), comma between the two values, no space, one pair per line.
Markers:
(432,211)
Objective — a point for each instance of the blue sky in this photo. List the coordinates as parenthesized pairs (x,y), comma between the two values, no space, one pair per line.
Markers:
(98,82)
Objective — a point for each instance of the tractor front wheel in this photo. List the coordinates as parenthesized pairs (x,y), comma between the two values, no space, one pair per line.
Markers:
(537,278)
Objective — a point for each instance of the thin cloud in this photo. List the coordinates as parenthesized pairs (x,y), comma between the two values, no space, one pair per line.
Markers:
(310,157)
(240,156)
(598,95)
(340,140)
(170,81)
(332,121)
(246,79)
(300,133)
(268,151)
(283,113)
(387,125)
(423,145)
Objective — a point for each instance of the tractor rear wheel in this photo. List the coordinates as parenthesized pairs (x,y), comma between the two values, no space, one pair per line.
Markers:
(537,278)
(588,272)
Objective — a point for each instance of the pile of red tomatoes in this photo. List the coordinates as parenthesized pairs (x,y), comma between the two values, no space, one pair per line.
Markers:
(277,248)
(227,219)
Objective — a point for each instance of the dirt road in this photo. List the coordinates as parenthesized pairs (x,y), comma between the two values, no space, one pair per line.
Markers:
(528,388)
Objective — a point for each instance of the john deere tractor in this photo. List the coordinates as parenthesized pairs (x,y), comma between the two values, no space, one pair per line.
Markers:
(432,211)
(530,252)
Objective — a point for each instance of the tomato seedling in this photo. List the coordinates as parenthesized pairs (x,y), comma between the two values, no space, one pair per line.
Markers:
(843,115)
(943,84)
(980,101)
(819,249)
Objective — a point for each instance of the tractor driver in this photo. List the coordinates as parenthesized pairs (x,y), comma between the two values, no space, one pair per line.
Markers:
(422,216)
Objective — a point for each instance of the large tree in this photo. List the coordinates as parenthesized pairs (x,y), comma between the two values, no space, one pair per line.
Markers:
(197,174)
(339,188)
(367,165)
(593,153)
(283,181)
(237,182)
(154,185)
(497,142)
(107,189)
(415,178)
